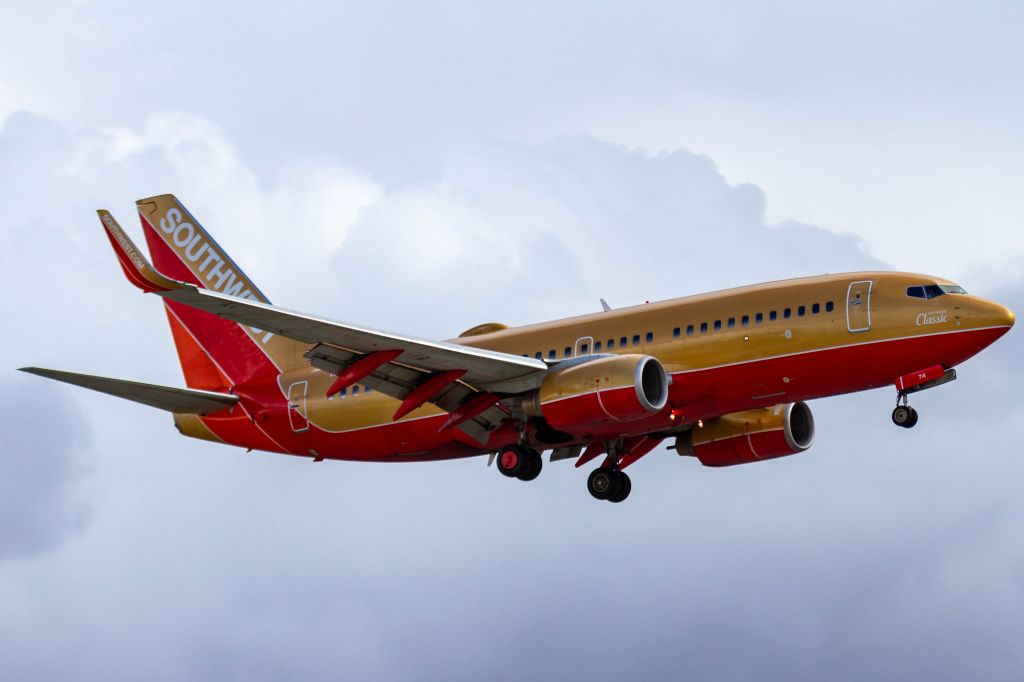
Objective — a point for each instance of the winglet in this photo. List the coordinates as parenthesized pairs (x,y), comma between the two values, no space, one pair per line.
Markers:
(136,268)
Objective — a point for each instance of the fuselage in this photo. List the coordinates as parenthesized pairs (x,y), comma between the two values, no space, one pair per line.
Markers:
(725,351)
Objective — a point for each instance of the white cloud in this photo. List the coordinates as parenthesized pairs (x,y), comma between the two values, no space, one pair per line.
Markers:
(206,562)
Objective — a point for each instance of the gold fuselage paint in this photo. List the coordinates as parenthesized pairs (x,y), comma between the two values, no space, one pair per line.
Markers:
(705,331)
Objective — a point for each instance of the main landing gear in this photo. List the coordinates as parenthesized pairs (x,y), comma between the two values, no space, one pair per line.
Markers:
(516,461)
(904,415)
(605,483)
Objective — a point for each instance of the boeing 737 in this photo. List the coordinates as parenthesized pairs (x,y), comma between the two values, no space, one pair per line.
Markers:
(724,377)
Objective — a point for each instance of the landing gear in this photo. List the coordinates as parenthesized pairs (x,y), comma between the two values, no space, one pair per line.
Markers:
(904,415)
(516,461)
(605,483)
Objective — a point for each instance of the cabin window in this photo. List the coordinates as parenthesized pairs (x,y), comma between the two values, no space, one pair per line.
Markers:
(367,389)
(568,351)
(759,318)
(773,315)
(787,313)
(816,308)
(676,332)
(583,348)
(552,354)
(829,306)
(718,325)
(538,355)
(703,327)
(732,322)
(610,344)
(597,346)
(636,339)
(355,390)
(343,392)
(801,311)
(745,320)
(689,330)
(650,337)
(623,342)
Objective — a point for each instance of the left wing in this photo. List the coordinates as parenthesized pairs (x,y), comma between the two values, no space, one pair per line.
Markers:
(396,365)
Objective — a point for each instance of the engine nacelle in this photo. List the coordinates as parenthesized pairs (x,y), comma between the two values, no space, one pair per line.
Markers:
(604,390)
(750,436)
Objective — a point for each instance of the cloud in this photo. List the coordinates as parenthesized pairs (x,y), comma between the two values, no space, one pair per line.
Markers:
(880,553)
(46,455)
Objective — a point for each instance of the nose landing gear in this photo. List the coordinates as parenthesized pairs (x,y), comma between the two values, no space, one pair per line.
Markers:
(904,415)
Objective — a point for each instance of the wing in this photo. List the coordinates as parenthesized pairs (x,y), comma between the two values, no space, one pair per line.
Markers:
(180,400)
(394,364)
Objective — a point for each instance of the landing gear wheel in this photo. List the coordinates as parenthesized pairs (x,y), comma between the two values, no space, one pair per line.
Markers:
(535,463)
(601,482)
(622,487)
(513,461)
(904,416)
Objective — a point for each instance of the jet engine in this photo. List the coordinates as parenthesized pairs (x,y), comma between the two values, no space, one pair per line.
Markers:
(750,436)
(604,390)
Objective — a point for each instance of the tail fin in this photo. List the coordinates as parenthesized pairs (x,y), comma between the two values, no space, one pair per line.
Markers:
(215,353)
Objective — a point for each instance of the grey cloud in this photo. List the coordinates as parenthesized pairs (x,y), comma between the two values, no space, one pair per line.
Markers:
(503,232)
(46,455)
(880,553)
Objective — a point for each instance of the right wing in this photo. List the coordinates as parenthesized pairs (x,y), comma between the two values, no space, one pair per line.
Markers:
(179,400)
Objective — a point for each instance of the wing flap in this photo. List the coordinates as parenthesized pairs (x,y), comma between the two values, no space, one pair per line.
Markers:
(180,400)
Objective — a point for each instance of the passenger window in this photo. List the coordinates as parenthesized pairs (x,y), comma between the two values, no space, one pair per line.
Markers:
(689,330)
(801,311)
(773,315)
(636,339)
(816,308)
(552,354)
(703,327)
(718,325)
(583,348)
(355,390)
(829,306)
(745,321)
(732,322)
(538,355)
(623,342)
(597,346)
(650,337)
(759,318)
(610,344)
(568,351)
(787,313)
(676,332)
(343,392)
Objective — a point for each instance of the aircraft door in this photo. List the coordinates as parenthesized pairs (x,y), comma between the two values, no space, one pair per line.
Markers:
(858,306)
(297,414)
(583,346)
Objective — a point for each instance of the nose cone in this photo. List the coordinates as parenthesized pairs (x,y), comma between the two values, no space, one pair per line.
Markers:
(993,314)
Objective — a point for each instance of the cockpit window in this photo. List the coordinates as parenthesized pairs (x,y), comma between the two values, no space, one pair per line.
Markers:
(928,291)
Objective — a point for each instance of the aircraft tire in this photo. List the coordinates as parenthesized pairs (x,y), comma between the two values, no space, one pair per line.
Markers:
(536,463)
(622,487)
(903,416)
(513,460)
(601,482)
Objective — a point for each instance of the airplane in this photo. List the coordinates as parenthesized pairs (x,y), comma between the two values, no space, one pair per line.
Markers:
(723,376)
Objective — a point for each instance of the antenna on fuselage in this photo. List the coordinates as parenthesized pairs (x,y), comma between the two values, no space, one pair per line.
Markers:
(604,304)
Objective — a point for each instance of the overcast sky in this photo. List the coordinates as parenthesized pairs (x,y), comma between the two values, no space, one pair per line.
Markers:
(424,168)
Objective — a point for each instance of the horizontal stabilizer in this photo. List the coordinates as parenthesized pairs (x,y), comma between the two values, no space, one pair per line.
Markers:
(180,400)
